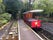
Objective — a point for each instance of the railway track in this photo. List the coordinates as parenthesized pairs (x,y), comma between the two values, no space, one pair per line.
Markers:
(44,34)
(11,33)
(4,30)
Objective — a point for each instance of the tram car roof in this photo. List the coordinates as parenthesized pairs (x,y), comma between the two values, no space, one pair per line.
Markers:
(33,11)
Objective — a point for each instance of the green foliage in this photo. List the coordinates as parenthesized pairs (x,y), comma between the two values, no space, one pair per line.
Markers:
(2,8)
(46,5)
(2,22)
(27,5)
(13,7)
(4,18)
(1,1)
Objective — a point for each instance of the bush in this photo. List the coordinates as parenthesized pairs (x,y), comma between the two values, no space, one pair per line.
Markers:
(4,18)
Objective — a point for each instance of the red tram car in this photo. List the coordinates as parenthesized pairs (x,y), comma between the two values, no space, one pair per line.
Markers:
(32,20)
